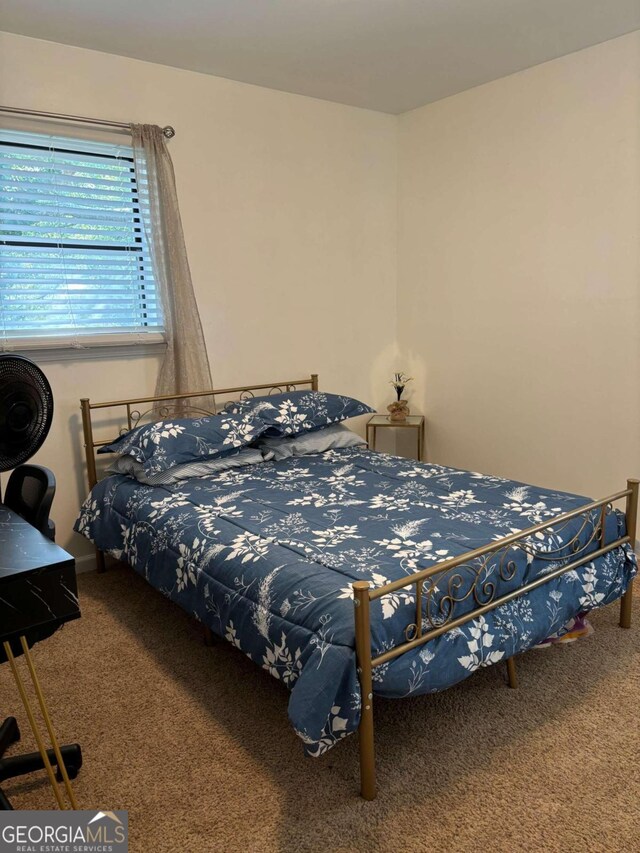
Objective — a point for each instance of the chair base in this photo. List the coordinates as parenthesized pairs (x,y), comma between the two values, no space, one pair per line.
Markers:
(19,765)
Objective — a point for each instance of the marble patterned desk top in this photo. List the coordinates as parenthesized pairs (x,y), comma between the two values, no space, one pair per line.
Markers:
(25,549)
(38,590)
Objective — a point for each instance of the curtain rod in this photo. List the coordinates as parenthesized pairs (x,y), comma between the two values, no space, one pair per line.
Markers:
(168,131)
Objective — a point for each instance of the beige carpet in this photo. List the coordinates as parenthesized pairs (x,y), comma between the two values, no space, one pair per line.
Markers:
(195,743)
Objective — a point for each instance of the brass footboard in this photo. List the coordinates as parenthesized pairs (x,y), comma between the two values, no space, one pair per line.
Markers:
(472,579)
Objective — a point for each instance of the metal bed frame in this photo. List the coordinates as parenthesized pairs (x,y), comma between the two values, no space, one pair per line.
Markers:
(465,577)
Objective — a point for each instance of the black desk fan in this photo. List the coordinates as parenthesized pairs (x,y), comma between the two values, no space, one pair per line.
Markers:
(26,412)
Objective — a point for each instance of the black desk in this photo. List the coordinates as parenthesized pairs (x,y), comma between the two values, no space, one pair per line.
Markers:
(38,589)
(38,593)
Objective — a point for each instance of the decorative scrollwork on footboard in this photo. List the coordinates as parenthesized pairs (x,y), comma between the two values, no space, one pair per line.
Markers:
(483,574)
(576,544)
(481,578)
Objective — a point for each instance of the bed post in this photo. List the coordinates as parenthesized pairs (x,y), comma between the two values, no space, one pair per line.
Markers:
(362,604)
(631,514)
(314,381)
(89,452)
(88,442)
(100,564)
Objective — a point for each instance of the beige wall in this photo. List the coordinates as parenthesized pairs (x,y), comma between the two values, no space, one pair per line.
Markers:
(288,205)
(519,271)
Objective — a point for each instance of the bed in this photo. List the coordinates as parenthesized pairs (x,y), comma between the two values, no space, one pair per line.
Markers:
(349,573)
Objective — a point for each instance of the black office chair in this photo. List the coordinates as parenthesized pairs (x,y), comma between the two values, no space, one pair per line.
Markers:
(30,493)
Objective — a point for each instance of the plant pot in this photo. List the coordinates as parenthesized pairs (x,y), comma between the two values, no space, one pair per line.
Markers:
(398,411)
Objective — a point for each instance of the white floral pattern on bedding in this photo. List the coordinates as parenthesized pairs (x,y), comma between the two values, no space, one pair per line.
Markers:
(265,556)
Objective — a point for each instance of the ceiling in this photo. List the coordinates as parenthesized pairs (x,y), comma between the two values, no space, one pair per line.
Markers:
(388,55)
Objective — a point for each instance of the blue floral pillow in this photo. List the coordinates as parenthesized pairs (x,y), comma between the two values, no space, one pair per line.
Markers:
(160,446)
(300,411)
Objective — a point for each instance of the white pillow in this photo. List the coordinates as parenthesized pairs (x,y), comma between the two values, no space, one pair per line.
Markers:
(316,441)
(127,465)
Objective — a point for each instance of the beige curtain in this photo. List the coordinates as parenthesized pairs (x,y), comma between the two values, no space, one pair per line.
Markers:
(186,365)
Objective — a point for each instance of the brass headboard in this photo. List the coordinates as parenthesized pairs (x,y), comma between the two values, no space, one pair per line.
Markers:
(171,405)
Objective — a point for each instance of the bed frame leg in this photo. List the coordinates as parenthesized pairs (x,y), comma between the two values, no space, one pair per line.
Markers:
(512,675)
(626,604)
(362,603)
(367,751)
(100,564)
(631,515)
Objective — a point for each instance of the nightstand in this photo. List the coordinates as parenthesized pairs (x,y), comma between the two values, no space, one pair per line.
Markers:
(413,422)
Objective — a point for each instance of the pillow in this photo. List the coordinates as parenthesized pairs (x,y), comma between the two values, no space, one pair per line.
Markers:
(165,444)
(129,466)
(300,411)
(316,441)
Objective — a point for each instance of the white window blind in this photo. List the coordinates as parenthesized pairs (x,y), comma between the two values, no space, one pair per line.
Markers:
(75,267)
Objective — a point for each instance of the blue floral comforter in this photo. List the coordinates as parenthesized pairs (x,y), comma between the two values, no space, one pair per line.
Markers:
(265,555)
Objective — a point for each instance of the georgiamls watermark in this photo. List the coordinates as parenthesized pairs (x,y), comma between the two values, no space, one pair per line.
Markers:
(64,832)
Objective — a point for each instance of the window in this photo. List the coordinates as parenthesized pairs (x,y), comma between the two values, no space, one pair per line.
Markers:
(75,267)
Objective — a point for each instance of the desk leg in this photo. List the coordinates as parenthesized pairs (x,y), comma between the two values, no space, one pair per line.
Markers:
(34,727)
(47,721)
